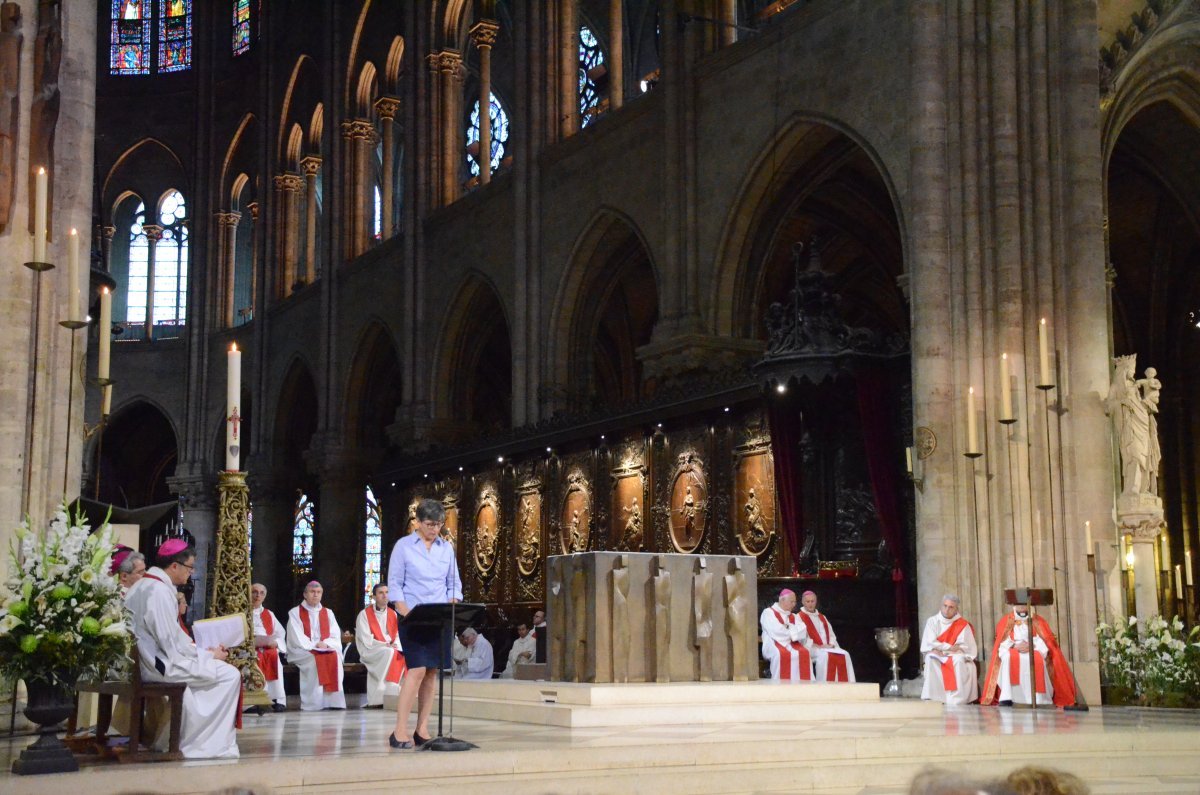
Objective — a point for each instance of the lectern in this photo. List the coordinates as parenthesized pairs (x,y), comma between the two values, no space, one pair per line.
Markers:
(450,617)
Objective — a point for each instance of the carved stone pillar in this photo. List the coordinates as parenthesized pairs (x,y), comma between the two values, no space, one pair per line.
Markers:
(386,108)
(484,35)
(727,31)
(153,235)
(199,496)
(568,69)
(616,52)
(227,224)
(289,186)
(253,208)
(341,522)
(360,136)
(446,66)
(271,530)
(312,167)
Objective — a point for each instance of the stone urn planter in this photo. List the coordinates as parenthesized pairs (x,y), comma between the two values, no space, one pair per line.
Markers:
(49,705)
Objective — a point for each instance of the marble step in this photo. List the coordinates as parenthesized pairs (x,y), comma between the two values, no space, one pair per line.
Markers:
(640,693)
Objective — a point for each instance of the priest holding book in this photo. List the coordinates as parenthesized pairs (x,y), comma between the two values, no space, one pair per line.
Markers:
(314,645)
(377,634)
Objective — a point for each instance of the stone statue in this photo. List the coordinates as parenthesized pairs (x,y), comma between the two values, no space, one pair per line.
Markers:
(737,621)
(10,111)
(579,626)
(662,622)
(702,583)
(43,112)
(631,539)
(620,641)
(1151,388)
(756,526)
(1133,406)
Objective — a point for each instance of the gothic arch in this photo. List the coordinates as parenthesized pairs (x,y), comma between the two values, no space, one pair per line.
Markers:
(301,97)
(139,452)
(473,377)
(145,168)
(394,65)
(373,387)
(296,419)
(807,154)
(239,160)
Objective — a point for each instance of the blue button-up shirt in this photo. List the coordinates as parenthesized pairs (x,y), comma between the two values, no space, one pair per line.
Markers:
(418,575)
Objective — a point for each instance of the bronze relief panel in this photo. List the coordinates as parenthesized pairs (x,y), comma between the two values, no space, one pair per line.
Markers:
(576,515)
(487,530)
(689,502)
(628,530)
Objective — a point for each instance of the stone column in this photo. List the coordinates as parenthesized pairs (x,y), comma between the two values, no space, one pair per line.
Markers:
(199,496)
(341,521)
(253,208)
(484,35)
(271,531)
(447,67)
(289,186)
(227,251)
(153,235)
(616,52)
(386,109)
(359,135)
(106,244)
(568,69)
(727,32)
(312,167)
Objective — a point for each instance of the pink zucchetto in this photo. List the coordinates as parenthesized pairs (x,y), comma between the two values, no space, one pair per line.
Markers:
(786,592)
(172,546)
(311,583)
(118,557)
(808,593)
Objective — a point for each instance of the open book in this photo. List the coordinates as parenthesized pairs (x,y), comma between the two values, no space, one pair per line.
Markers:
(227,631)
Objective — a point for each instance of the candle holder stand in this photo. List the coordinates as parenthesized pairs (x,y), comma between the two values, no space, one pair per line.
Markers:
(73,326)
(38,268)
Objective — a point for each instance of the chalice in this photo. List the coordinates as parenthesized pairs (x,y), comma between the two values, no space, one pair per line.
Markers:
(892,641)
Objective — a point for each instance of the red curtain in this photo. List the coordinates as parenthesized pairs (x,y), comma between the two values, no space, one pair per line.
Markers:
(784,416)
(877,409)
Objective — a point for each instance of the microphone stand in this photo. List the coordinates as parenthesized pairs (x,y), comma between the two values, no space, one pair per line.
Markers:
(446,742)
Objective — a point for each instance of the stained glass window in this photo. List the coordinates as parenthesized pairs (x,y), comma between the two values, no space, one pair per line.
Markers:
(241,26)
(138,283)
(499,123)
(174,35)
(129,52)
(303,523)
(373,550)
(169,280)
(378,223)
(590,57)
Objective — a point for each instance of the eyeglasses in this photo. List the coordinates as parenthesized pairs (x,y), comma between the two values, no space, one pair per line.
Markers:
(188,566)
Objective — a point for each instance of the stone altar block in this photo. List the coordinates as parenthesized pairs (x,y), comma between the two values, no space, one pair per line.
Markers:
(644,617)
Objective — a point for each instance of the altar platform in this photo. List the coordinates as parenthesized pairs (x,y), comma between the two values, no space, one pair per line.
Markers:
(1116,750)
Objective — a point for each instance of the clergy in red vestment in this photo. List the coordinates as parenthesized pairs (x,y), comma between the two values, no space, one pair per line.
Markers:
(376,633)
(314,645)
(269,642)
(783,640)
(949,649)
(1007,678)
(831,661)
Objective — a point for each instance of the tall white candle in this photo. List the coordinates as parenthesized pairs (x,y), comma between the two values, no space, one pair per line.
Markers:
(1006,404)
(1044,377)
(105,331)
(1178,581)
(73,312)
(40,191)
(1087,530)
(1165,546)
(106,400)
(972,430)
(233,416)
(1187,564)
(908,459)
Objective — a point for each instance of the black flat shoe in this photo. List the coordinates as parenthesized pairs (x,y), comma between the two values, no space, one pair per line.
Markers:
(392,741)
(418,740)
(1006,703)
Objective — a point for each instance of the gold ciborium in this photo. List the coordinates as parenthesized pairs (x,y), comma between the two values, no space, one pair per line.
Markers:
(892,641)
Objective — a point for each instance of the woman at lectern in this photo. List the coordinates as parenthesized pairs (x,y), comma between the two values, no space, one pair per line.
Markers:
(422,570)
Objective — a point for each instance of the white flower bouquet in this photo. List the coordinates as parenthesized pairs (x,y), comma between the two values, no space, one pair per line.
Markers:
(1158,666)
(61,613)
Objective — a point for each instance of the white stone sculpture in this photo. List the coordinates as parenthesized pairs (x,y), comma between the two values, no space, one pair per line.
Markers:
(1133,405)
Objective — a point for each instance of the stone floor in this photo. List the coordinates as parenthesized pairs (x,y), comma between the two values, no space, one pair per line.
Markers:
(1123,750)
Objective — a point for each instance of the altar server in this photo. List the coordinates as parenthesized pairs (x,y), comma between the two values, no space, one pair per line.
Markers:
(523,650)
(214,687)
(377,635)
(314,645)
(949,650)
(270,641)
(783,640)
(1007,678)
(831,660)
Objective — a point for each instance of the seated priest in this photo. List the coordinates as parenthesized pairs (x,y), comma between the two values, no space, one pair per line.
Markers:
(783,640)
(1007,678)
(949,650)
(377,635)
(128,566)
(479,662)
(214,687)
(270,641)
(314,645)
(831,660)
(522,651)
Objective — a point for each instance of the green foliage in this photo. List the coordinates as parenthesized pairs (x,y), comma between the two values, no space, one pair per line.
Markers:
(1158,666)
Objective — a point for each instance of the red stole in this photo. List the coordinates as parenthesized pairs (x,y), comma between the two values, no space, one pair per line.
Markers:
(397,668)
(327,664)
(950,636)
(1060,671)
(268,656)
(835,664)
(786,651)
(1014,663)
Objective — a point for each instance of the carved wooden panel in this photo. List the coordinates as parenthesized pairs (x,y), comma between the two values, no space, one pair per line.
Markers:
(487,530)
(575,518)
(628,514)
(689,502)
(754,496)
(529,531)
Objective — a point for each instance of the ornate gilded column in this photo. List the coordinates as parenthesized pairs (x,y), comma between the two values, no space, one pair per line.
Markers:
(446,66)
(228,253)
(153,235)
(616,53)
(312,167)
(289,186)
(484,35)
(253,208)
(386,109)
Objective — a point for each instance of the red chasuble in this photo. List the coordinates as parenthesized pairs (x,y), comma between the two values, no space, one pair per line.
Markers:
(398,666)
(787,650)
(835,671)
(327,662)
(268,656)
(950,636)
(1060,673)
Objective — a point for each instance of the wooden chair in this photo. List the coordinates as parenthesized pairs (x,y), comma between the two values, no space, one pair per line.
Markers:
(136,692)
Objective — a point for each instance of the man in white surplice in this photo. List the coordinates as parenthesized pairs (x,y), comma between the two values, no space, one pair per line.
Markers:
(167,654)
(376,633)
(480,660)
(831,660)
(949,650)
(270,641)
(522,651)
(785,640)
(314,645)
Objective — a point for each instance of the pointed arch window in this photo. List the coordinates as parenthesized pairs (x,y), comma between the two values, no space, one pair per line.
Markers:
(169,276)
(137,284)
(129,48)
(174,35)
(241,26)
(304,522)
(499,122)
(373,546)
(592,73)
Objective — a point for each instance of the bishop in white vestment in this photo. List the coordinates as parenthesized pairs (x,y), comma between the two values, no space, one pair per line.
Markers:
(314,645)
(523,650)
(270,640)
(167,654)
(949,649)
(376,632)
(783,640)
(831,660)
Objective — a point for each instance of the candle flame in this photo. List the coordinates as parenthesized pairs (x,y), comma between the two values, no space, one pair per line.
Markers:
(1004,356)
(41,170)
(970,390)
(233,348)
(104,290)
(1043,321)
(74,232)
